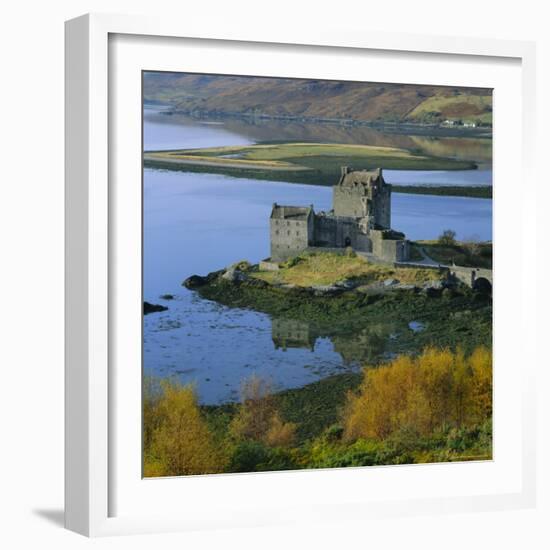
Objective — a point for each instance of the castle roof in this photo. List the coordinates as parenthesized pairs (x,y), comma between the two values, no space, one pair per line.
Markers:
(297,213)
(352,178)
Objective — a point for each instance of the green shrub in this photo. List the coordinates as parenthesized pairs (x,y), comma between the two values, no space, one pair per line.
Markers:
(254,456)
(291,262)
(334,433)
(243,265)
(323,454)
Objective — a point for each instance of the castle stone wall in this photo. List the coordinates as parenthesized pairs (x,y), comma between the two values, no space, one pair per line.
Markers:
(382,207)
(346,201)
(335,231)
(363,243)
(325,231)
(290,237)
(390,250)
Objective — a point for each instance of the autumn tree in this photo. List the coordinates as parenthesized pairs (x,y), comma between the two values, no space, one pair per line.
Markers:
(258,418)
(178,442)
(434,391)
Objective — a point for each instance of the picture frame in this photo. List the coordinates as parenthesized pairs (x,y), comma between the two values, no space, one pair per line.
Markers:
(98,217)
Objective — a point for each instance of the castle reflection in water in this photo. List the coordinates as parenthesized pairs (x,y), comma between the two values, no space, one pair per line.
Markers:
(364,345)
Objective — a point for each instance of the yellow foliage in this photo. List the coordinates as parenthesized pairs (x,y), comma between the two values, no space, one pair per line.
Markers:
(254,416)
(258,418)
(153,468)
(280,434)
(438,389)
(482,395)
(180,442)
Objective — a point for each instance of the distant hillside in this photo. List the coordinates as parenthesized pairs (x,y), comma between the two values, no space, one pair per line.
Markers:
(202,95)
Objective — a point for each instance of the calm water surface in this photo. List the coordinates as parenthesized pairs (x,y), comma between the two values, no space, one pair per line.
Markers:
(197,223)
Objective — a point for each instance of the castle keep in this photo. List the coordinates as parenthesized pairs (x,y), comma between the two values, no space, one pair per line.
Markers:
(360,219)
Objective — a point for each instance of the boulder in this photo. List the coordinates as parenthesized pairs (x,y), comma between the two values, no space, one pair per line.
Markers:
(325,290)
(195,281)
(390,282)
(152,308)
(234,275)
(403,286)
(434,285)
(347,284)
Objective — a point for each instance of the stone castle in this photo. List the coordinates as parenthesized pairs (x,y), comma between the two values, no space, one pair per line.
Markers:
(360,219)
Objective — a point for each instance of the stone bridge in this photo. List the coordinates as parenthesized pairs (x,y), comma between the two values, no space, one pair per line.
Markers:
(472,276)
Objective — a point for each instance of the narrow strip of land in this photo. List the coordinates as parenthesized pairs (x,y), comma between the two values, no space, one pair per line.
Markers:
(220,162)
(312,163)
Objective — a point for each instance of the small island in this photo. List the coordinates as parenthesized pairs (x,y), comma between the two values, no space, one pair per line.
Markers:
(348,268)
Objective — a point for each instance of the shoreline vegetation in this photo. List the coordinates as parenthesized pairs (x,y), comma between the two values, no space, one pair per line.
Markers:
(458,129)
(311,163)
(420,395)
(470,191)
(435,407)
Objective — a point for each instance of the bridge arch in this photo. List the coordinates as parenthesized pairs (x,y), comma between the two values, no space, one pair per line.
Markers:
(474,277)
(482,284)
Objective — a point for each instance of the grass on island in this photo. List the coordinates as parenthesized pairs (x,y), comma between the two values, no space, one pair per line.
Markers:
(313,163)
(326,268)
(467,254)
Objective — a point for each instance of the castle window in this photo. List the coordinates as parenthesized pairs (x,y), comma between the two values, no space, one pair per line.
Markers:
(297,233)
(276,232)
(288,232)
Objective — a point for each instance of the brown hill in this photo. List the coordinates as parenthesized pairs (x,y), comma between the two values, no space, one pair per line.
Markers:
(317,99)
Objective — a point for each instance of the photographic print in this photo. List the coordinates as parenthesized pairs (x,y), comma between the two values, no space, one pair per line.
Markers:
(317,274)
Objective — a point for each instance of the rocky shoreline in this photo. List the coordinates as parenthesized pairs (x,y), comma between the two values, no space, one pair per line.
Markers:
(451,314)
(234,274)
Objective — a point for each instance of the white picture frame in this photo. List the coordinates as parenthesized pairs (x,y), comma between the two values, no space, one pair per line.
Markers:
(93,214)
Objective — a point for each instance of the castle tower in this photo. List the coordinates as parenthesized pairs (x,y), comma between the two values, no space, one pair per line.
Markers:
(291,230)
(363,194)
